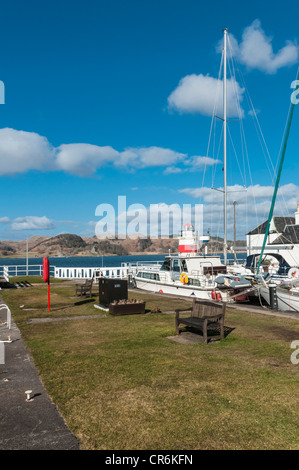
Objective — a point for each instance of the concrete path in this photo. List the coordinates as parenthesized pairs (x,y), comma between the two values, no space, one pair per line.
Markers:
(247,307)
(26,425)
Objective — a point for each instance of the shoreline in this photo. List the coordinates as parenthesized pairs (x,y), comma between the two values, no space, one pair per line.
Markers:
(16,257)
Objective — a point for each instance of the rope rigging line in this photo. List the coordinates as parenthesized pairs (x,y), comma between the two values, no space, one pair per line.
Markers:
(281,161)
(242,133)
(213,118)
(212,128)
(260,135)
(272,170)
(280,196)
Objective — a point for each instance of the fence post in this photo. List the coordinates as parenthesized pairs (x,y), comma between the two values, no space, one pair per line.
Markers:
(8,315)
(273,296)
(2,353)
(5,273)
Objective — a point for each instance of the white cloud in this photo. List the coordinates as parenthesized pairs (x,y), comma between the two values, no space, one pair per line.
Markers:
(148,156)
(256,192)
(198,162)
(32,223)
(4,220)
(254,112)
(170,170)
(84,159)
(256,51)
(204,94)
(22,151)
(253,205)
(194,163)
(156,220)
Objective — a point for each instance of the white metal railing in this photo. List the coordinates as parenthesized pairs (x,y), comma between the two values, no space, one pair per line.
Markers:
(5,273)
(205,281)
(22,270)
(154,265)
(119,272)
(8,318)
(72,272)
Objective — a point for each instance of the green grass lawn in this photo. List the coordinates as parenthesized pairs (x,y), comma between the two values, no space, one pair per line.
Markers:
(34,280)
(120,383)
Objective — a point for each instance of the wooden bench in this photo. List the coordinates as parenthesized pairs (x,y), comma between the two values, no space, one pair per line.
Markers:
(84,288)
(205,315)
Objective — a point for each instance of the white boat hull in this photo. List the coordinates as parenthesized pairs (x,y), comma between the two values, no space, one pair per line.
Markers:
(287,299)
(182,290)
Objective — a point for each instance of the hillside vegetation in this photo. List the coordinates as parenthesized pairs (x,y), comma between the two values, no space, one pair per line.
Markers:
(74,245)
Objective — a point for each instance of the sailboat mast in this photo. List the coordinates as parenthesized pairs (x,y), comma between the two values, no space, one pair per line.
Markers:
(224,150)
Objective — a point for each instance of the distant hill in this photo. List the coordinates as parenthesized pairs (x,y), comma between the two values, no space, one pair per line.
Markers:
(74,245)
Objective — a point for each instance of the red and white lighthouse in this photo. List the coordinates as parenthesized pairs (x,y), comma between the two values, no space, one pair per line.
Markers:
(188,241)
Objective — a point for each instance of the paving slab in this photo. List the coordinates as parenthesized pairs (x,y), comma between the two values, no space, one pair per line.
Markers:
(27,425)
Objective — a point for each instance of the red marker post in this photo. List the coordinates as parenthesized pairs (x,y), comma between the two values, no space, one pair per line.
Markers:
(46,275)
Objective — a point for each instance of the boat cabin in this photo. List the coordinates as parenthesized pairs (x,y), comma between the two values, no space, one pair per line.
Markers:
(194,265)
(282,243)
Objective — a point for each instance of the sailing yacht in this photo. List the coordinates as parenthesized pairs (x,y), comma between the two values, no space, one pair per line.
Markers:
(192,272)
(287,292)
(188,273)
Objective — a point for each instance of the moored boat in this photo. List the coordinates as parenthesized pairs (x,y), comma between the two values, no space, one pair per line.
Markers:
(191,273)
(286,295)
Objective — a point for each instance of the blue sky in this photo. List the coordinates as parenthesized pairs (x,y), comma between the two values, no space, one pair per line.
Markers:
(113,98)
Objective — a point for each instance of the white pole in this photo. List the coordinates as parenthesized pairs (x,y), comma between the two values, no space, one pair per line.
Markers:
(27,256)
(224,151)
(235,256)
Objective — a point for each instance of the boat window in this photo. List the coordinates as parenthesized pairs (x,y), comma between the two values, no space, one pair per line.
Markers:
(152,276)
(166,265)
(184,266)
(145,275)
(194,282)
(176,265)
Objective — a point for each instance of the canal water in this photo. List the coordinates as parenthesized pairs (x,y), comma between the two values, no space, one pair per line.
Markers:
(96,261)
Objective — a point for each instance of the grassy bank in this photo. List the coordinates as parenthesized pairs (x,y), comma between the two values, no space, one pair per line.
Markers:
(120,383)
(33,280)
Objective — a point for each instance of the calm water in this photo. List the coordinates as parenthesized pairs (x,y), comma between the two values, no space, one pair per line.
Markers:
(94,261)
